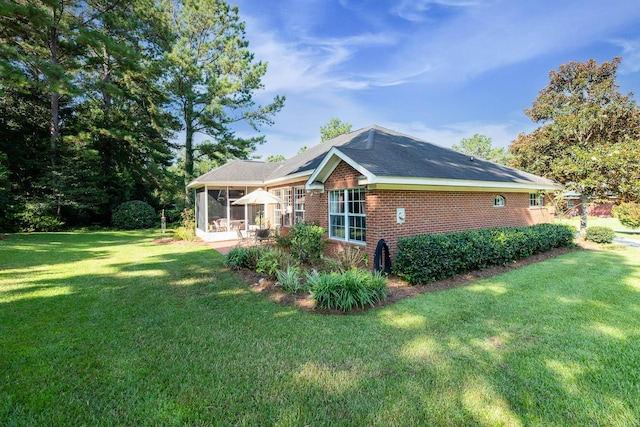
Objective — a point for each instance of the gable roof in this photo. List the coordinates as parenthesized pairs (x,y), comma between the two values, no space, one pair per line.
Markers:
(386,159)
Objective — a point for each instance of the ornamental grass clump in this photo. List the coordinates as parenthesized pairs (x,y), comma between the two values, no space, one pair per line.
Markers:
(348,290)
(290,280)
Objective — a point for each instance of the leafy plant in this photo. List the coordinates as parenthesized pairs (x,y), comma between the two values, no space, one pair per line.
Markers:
(272,260)
(38,217)
(187,229)
(348,290)
(133,215)
(628,214)
(290,280)
(184,233)
(600,234)
(237,258)
(307,241)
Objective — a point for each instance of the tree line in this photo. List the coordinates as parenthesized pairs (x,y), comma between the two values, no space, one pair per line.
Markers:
(100,102)
(94,95)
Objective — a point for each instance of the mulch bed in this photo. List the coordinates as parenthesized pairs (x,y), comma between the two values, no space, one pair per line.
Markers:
(397,289)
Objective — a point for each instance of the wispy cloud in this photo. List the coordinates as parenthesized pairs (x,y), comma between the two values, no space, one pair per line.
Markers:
(418,10)
(630,55)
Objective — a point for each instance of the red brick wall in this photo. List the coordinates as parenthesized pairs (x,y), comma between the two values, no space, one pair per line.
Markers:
(426,211)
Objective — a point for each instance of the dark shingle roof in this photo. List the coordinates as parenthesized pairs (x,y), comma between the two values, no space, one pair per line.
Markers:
(387,153)
(239,171)
(384,153)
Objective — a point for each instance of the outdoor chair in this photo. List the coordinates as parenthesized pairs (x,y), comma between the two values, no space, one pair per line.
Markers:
(242,240)
(263,235)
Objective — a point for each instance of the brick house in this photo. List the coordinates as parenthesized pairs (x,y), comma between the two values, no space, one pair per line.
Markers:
(368,185)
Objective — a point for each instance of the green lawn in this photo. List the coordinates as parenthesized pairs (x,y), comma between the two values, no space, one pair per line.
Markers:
(621,230)
(111,329)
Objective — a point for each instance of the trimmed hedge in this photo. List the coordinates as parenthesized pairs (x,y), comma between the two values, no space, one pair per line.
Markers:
(429,257)
(600,234)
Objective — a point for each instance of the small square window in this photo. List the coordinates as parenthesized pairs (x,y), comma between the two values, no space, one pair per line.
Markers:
(498,201)
(535,200)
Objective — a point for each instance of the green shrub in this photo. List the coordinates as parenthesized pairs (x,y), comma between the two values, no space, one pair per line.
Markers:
(133,215)
(600,234)
(38,217)
(254,253)
(187,229)
(237,258)
(429,257)
(272,260)
(348,290)
(184,233)
(628,214)
(290,280)
(307,242)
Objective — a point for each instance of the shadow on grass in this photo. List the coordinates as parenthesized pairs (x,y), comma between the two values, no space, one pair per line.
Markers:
(166,335)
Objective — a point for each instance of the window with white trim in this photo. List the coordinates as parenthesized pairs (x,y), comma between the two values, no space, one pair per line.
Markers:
(347,218)
(298,204)
(277,210)
(498,201)
(286,196)
(535,200)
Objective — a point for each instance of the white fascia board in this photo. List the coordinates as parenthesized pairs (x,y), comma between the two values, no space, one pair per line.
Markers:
(198,184)
(294,177)
(396,182)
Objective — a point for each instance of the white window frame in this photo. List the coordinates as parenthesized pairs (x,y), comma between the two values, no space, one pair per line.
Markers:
(535,200)
(277,210)
(348,213)
(298,204)
(499,201)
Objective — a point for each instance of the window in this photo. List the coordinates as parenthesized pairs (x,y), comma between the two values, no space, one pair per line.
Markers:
(347,218)
(498,201)
(286,196)
(298,204)
(277,211)
(535,200)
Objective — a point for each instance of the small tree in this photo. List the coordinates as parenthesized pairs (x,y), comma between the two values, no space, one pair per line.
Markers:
(335,127)
(480,146)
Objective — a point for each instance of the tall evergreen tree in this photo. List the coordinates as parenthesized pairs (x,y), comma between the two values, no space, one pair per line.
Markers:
(213,78)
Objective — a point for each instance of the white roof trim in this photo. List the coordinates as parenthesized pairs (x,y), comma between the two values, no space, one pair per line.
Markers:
(438,182)
(198,184)
(330,161)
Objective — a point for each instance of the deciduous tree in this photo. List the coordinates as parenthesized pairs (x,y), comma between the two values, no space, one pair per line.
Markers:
(588,135)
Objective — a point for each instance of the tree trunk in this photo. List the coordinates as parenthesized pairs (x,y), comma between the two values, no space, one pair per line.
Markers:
(188,156)
(584,200)
(55,99)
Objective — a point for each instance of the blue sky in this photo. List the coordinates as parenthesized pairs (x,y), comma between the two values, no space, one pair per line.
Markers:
(440,70)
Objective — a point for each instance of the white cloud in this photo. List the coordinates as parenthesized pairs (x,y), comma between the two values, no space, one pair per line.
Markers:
(630,55)
(417,10)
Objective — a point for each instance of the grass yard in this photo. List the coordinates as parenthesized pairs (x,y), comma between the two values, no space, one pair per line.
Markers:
(621,230)
(108,328)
